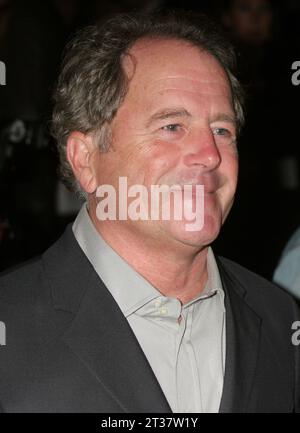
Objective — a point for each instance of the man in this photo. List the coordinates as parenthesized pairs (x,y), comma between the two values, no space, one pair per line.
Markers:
(250,21)
(128,314)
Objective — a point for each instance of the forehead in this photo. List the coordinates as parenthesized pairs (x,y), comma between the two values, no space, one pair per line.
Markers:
(173,63)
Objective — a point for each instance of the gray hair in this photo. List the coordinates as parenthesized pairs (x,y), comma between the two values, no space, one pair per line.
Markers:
(92,83)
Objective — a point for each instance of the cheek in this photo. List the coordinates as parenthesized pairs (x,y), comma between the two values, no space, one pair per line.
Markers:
(230,168)
(111,166)
(160,160)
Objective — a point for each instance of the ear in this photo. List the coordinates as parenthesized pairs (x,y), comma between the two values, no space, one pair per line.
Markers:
(80,148)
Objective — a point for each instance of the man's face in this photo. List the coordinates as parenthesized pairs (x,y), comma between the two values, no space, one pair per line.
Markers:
(251,20)
(175,126)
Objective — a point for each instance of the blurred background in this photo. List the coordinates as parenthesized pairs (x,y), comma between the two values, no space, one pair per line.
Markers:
(35,206)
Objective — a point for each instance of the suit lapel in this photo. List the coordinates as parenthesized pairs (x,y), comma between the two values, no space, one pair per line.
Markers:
(243,329)
(99,334)
(103,340)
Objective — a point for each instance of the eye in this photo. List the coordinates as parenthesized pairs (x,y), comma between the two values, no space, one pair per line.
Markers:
(224,135)
(222,131)
(173,127)
(172,132)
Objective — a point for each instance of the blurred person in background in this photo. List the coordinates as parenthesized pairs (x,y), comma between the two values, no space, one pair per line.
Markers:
(287,273)
(250,21)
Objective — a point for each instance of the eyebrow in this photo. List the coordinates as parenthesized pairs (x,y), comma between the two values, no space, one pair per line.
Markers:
(223,117)
(167,113)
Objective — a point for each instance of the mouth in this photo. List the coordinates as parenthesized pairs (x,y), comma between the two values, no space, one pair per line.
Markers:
(188,182)
(208,189)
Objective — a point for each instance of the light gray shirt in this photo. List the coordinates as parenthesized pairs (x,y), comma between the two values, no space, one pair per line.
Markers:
(187,356)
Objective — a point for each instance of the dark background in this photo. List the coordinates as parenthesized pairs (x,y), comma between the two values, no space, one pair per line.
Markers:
(34,207)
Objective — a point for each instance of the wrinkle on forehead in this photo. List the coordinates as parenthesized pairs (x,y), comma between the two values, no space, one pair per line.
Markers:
(189,85)
(172,63)
(174,73)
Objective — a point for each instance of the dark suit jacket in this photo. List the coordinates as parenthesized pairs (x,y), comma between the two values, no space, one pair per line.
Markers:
(70,349)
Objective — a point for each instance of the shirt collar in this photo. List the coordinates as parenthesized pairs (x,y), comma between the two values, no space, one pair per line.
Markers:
(129,289)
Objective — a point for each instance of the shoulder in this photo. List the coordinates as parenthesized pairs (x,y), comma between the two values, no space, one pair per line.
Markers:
(264,296)
(21,284)
(27,304)
(287,273)
(46,289)
(293,243)
(25,294)
(29,312)
(27,282)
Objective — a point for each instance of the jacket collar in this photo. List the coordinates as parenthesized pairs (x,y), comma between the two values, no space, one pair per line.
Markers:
(99,334)
(113,354)
(243,331)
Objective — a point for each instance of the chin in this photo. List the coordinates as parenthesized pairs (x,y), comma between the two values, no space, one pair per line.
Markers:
(196,238)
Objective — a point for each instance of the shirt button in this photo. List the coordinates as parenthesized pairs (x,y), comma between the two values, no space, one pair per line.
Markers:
(163,311)
(157,303)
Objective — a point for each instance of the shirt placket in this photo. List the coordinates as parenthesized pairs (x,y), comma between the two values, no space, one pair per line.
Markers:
(188,385)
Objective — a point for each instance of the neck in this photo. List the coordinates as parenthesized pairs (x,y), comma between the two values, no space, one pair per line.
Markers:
(176,271)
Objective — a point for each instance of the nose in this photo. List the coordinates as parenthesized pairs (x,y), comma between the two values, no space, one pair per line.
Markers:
(201,150)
